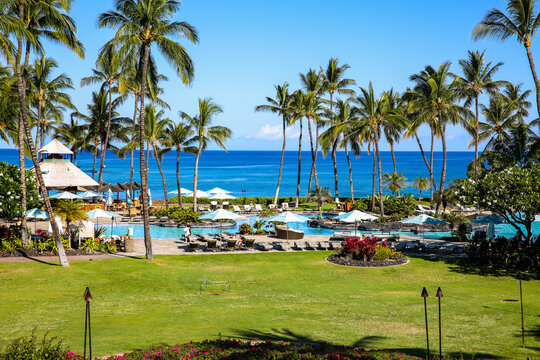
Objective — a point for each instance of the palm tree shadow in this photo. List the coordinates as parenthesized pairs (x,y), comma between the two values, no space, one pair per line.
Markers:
(35,259)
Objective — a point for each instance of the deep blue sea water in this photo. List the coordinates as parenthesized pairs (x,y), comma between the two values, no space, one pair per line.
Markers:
(256,171)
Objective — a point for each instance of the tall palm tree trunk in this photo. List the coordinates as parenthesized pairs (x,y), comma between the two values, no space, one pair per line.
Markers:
(381,204)
(299,164)
(535,76)
(106,142)
(350,172)
(281,163)
(38,124)
(196,175)
(373,182)
(432,178)
(133,151)
(39,176)
(393,155)
(162,176)
(94,166)
(22,168)
(426,162)
(144,179)
(313,159)
(178,177)
(476,130)
(334,158)
(443,173)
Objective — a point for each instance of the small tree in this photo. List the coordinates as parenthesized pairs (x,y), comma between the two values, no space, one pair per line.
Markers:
(10,191)
(70,211)
(320,195)
(395,181)
(421,183)
(511,193)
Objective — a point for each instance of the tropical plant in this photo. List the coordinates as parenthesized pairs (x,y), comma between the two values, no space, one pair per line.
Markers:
(280,105)
(498,119)
(139,24)
(48,92)
(516,98)
(520,21)
(396,124)
(205,133)
(72,135)
(435,97)
(320,195)
(335,82)
(70,211)
(10,191)
(421,184)
(40,19)
(477,78)
(297,115)
(395,182)
(177,136)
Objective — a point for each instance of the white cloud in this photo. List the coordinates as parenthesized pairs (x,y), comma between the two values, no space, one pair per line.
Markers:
(272,133)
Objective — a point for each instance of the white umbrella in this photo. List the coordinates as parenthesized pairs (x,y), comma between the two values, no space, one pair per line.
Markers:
(200,194)
(182,191)
(99,213)
(221,196)
(355,216)
(66,195)
(88,194)
(109,197)
(421,220)
(149,197)
(217,190)
(221,214)
(287,217)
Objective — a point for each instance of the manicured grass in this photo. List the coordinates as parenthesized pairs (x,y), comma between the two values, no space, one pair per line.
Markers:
(292,296)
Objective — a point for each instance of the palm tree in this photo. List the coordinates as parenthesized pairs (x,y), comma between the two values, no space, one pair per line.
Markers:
(205,134)
(70,211)
(280,105)
(395,182)
(516,98)
(139,24)
(312,83)
(48,92)
(477,78)
(320,195)
(435,98)
(98,124)
(40,19)
(178,136)
(107,73)
(421,183)
(297,114)
(156,135)
(394,127)
(72,135)
(521,21)
(498,120)
(335,82)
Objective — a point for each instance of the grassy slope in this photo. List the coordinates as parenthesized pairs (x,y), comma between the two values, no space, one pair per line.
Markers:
(293,296)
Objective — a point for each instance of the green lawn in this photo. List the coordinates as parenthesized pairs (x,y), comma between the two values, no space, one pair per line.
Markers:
(138,303)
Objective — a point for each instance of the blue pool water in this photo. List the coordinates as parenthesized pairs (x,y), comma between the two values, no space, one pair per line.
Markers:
(160,232)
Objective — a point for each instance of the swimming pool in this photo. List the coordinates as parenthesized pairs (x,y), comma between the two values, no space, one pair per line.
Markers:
(160,232)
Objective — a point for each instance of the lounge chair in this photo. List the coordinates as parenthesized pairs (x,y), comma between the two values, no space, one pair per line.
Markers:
(236,208)
(285,206)
(264,246)
(211,245)
(163,219)
(342,235)
(248,244)
(422,210)
(213,205)
(388,236)
(299,245)
(288,233)
(247,208)
(231,244)
(283,246)
(335,244)
(193,246)
(272,206)
(225,205)
(310,245)
(258,207)
(324,245)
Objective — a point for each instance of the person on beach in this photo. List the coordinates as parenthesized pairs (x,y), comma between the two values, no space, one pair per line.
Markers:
(187,232)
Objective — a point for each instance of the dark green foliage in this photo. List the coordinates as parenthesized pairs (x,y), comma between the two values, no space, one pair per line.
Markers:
(395,207)
(462,232)
(10,190)
(182,215)
(30,348)
(245,229)
(263,200)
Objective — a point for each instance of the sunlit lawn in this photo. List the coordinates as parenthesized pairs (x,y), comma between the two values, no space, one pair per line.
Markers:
(138,303)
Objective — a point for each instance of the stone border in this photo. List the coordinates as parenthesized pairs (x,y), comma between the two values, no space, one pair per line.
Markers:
(367,266)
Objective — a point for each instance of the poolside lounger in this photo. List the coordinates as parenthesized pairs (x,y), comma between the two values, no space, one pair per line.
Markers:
(310,245)
(283,246)
(236,208)
(386,235)
(213,205)
(248,243)
(231,244)
(299,245)
(225,205)
(335,244)
(258,207)
(324,245)
(342,234)
(164,219)
(264,246)
(211,246)
(247,208)
(193,246)
(285,206)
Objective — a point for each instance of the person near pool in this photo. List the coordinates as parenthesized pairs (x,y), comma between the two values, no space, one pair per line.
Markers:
(187,232)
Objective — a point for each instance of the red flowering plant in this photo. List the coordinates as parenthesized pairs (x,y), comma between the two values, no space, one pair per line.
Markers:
(360,248)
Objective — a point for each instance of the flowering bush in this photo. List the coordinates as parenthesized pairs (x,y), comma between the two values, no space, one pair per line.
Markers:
(236,349)
(367,249)
(10,190)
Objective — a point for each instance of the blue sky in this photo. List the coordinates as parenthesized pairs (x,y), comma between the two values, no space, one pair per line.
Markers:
(246,47)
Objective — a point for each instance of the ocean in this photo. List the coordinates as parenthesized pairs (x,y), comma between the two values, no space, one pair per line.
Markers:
(254,173)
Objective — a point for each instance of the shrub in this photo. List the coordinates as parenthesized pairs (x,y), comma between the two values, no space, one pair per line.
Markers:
(462,232)
(26,348)
(245,229)
(382,252)
(10,190)
(89,245)
(179,214)
(260,232)
(367,249)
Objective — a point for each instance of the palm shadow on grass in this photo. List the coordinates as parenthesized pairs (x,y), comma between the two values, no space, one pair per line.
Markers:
(469,267)
(366,342)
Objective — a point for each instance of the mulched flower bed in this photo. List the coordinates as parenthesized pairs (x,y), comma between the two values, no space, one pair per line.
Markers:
(237,349)
(348,261)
